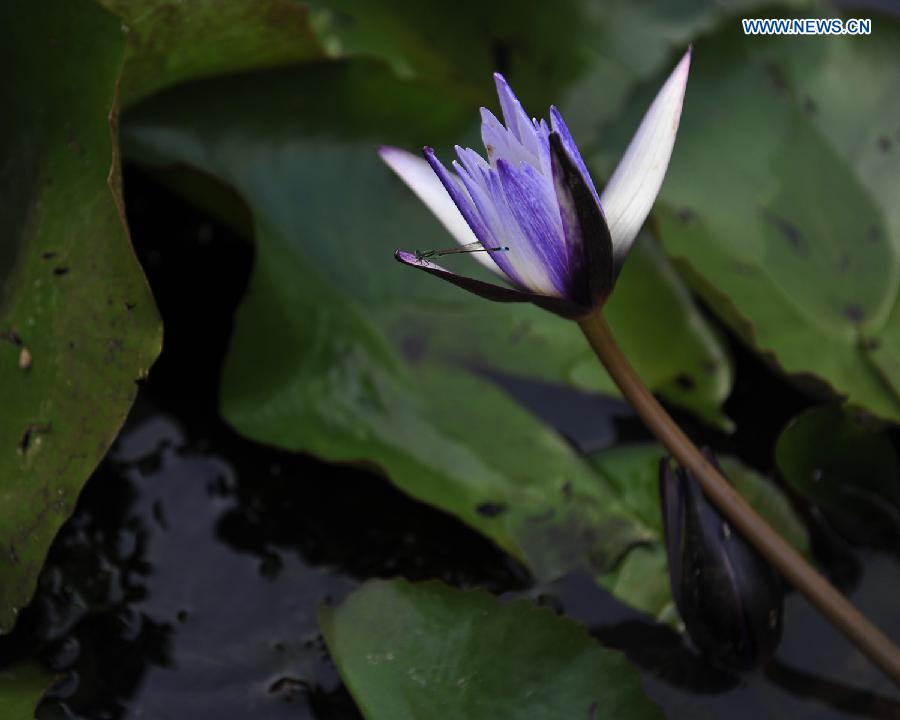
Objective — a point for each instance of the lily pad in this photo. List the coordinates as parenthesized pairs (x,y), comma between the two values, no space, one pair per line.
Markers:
(847,465)
(21,687)
(641,578)
(661,331)
(608,47)
(410,651)
(462,43)
(171,41)
(780,204)
(630,41)
(78,325)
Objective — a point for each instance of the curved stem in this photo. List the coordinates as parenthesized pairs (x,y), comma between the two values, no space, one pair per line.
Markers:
(830,602)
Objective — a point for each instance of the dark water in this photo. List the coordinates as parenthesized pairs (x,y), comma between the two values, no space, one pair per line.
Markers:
(187,582)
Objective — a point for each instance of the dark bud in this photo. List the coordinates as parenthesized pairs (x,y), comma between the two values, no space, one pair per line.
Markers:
(730,599)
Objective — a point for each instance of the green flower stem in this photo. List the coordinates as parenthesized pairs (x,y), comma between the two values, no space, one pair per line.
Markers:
(830,602)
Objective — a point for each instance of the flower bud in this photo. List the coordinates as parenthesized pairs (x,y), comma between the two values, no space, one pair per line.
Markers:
(730,599)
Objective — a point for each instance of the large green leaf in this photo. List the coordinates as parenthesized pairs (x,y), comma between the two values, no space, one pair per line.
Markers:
(585,56)
(341,352)
(411,652)
(781,201)
(628,41)
(661,331)
(463,42)
(850,93)
(641,578)
(171,41)
(21,688)
(848,467)
(78,322)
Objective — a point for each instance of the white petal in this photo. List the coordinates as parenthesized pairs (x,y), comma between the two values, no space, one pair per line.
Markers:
(420,178)
(633,187)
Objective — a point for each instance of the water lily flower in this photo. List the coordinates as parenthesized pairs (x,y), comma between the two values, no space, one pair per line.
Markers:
(730,599)
(532,208)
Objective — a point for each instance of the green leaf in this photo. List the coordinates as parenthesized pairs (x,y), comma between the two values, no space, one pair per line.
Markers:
(463,42)
(582,55)
(627,42)
(77,320)
(632,471)
(780,203)
(21,688)
(661,331)
(495,467)
(342,352)
(171,41)
(852,88)
(414,651)
(846,465)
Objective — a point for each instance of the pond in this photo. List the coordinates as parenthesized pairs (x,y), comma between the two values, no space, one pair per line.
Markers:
(187,582)
(300,419)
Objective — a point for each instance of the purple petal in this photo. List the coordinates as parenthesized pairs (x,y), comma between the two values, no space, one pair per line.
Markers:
(471,160)
(423,181)
(458,193)
(525,264)
(489,291)
(475,197)
(484,204)
(500,143)
(559,126)
(540,225)
(543,135)
(514,114)
(588,244)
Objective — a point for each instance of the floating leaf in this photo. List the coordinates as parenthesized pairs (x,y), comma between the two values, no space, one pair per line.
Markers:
(628,42)
(21,687)
(171,41)
(780,202)
(462,43)
(410,651)
(77,322)
(848,467)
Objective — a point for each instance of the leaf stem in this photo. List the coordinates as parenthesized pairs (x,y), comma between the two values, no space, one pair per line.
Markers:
(795,569)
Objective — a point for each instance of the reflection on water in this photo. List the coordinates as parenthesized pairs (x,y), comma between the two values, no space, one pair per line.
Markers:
(187,583)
